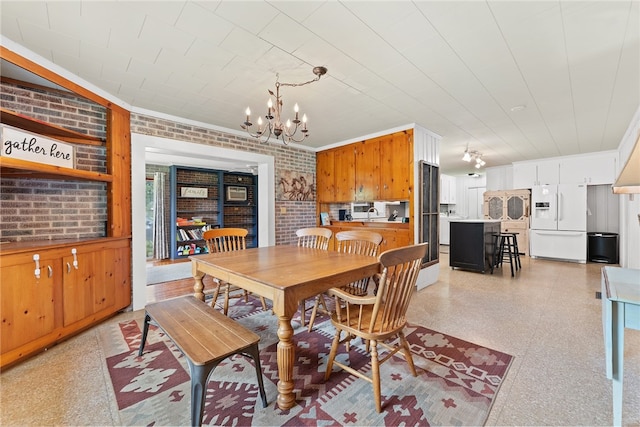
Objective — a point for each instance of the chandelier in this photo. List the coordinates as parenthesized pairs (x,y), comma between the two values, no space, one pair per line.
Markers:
(469,155)
(287,131)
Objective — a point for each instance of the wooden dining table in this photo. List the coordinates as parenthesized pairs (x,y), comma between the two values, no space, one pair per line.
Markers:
(286,275)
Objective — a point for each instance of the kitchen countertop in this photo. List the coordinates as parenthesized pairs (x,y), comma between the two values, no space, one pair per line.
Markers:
(371,223)
(475,220)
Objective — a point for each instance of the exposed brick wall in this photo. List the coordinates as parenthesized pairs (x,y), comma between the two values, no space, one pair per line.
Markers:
(54,106)
(41,209)
(298,214)
(35,209)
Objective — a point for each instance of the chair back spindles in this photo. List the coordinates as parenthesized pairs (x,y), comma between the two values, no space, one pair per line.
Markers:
(314,237)
(225,239)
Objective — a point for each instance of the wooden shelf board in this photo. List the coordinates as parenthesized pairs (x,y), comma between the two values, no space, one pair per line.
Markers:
(17,168)
(46,129)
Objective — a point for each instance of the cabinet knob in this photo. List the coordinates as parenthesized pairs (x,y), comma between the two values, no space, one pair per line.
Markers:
(49,271)
(68,268)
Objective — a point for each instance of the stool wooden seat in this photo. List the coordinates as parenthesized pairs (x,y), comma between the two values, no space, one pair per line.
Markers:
(507,248)
(206,337)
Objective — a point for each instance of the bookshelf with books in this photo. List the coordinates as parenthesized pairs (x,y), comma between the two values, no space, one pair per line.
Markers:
(195,208)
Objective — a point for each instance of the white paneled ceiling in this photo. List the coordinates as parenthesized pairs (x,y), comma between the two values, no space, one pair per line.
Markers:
(456,68)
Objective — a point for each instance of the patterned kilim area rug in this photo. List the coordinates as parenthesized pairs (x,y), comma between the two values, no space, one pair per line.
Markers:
(457,381)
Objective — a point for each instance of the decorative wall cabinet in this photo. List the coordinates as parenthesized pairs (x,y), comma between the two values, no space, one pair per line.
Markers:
(512,207)
(42,307)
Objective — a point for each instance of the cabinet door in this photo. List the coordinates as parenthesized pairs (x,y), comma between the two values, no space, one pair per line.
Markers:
(452,190)
(524,175)
(493,207)
(444,189)
(27,302)
(88,284)
(548,172)
(345,164)
(395,167)
(367,170)
(589,169)
(325,176)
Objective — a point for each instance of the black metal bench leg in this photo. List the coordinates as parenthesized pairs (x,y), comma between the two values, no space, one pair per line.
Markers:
(145,331)
(254,353)
(199,376)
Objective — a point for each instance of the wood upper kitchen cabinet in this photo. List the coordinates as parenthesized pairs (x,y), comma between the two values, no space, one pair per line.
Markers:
(379,168)
(345,173)
(367,170)
(326,178)
(396,165)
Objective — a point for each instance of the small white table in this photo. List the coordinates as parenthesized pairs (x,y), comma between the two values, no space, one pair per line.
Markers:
(620,309)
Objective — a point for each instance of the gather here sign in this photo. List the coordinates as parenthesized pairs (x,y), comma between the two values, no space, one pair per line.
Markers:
(20,144)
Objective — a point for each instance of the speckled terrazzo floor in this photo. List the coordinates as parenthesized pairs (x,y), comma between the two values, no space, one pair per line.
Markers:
(547,317)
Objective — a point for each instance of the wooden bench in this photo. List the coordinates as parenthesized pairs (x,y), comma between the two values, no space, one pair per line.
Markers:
(206,337)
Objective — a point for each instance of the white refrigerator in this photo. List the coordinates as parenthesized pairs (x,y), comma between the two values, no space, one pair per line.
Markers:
(559,222)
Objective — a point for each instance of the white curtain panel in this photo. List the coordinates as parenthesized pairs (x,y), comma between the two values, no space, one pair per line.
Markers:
(160,239)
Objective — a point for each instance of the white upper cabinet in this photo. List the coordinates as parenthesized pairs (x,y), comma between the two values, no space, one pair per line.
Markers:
(548,172)
(499,178)
(530,174)
(447,189)
(591,169)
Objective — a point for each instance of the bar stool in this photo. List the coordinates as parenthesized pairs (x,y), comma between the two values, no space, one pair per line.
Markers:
(507,248)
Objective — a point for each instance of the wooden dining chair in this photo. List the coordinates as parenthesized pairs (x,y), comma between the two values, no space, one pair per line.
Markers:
(359,242)
(227,240)
(376,318)
(312,237)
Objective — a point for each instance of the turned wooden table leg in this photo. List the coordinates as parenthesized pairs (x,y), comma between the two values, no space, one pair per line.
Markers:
(286,357)
(198,286)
